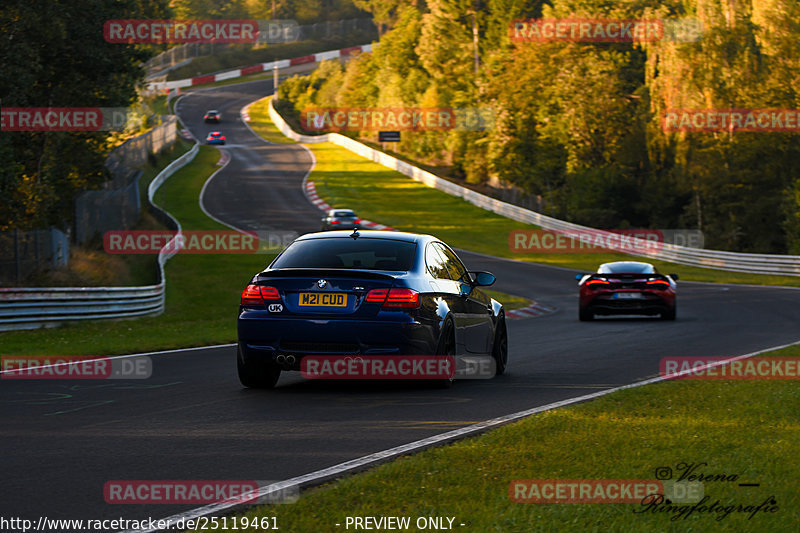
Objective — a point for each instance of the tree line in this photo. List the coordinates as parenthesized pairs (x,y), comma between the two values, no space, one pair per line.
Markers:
(581,124)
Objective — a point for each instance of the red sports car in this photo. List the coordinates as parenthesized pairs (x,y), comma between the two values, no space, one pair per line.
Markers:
(627,288)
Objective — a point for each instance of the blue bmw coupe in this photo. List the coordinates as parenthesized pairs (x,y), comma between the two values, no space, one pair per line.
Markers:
(365,293)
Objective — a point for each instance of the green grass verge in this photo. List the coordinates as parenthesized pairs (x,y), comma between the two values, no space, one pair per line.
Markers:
(202,290)
(377,193)
(509,302)
(742,428)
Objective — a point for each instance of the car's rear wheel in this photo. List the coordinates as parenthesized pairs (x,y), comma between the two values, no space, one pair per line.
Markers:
(500,350)
(670,313)
(257,374)
(447,346)
(585,315)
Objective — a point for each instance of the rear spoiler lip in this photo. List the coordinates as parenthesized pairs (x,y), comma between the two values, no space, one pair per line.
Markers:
(330,273)
(629,275)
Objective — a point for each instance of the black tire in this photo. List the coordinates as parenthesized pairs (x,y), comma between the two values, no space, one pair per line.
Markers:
(585,315)
(670,313)
(257,374)
(500,348)
(447,346)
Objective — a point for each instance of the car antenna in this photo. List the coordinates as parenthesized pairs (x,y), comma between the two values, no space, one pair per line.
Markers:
(355,235)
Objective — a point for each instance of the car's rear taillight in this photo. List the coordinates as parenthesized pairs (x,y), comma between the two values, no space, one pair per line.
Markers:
(334,221)
(376,296)
(658,284)
(396,298)
(270,293)
(357,221)
(256,294)
(597,283)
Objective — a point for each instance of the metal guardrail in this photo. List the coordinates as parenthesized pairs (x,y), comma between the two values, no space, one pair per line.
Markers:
(788,265)
(31,308)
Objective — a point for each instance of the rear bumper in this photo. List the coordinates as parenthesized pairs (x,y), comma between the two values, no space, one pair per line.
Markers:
(650,304)
(268,338)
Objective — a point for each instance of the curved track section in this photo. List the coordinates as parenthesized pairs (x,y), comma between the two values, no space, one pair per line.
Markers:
(192,419)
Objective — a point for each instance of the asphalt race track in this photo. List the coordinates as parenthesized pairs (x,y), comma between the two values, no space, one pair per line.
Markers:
(63,440)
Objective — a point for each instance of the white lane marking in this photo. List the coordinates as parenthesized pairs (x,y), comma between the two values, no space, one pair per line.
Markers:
(313,478)
(162,352)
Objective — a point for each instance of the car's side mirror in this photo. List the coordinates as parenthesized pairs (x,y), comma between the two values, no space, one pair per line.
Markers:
(579,276)
(674,276)
(481,279)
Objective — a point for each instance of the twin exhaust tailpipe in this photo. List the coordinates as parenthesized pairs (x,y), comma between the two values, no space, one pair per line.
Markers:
(286,361)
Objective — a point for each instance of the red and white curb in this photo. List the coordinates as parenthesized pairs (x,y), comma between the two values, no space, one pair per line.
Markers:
(533,310)
(261,67)
(313,197)
(186,134)
(246,113)
(223,158)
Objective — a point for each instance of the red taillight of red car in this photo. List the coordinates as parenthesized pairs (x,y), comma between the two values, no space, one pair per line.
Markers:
(257,294)
(597,283)
(396,298)
(658,284)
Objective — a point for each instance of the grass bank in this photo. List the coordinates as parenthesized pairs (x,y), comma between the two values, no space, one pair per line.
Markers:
(747,431)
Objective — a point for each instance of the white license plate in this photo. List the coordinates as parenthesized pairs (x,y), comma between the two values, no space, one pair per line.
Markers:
(627,295)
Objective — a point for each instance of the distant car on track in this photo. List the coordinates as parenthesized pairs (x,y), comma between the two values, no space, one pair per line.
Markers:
(376,293)
(212,116)
(627,288)
(342,219)
(215,137)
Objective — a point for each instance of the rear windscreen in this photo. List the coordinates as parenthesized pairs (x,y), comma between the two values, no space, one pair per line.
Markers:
(345,252)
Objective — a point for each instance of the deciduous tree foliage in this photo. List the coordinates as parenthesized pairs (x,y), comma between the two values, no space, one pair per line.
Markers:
(580,124)
(54,55)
